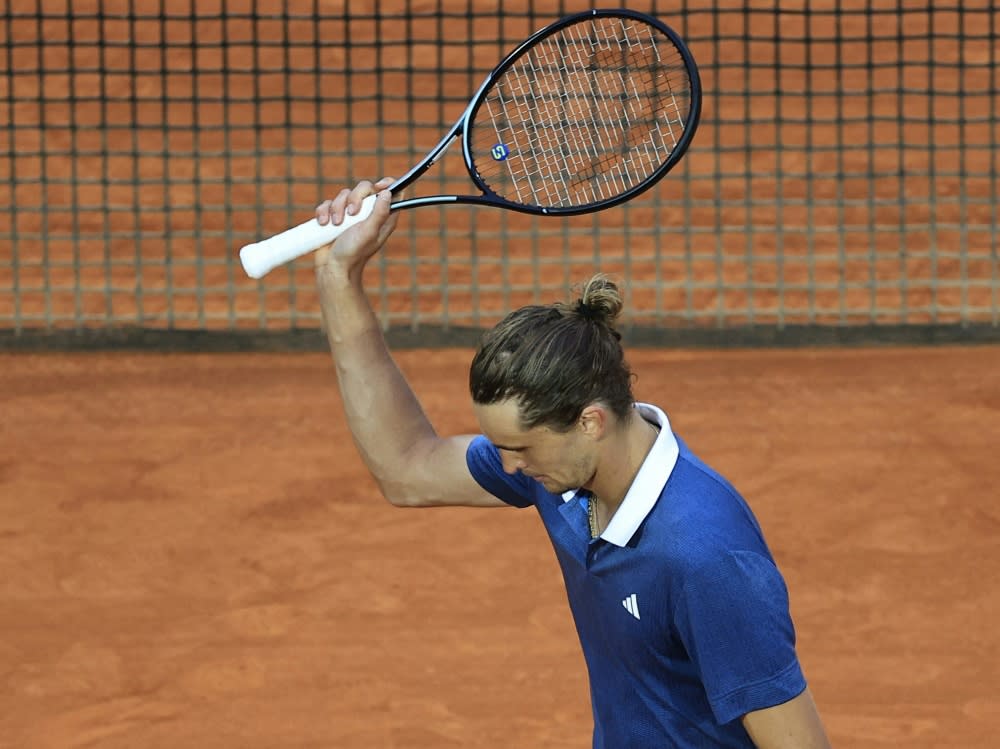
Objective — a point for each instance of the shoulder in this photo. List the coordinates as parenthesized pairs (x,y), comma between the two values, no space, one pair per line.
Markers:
(694,474)
(703,514)
(704,536)
(483,460)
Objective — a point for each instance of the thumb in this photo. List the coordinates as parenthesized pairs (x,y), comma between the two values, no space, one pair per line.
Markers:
(382,202)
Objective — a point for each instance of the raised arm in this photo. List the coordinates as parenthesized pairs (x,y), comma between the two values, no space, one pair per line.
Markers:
(411,463)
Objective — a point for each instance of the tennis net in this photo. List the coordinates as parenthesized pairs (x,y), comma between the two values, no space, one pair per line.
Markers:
(843,184)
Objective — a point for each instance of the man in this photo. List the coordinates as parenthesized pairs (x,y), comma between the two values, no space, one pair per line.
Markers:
(681,611)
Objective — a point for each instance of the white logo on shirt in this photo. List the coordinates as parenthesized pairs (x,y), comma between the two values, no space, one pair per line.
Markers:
(631,605)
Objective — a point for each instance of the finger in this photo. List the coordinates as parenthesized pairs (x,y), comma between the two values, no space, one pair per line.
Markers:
(385,219)
(363,189)
(389,182)
(323,212)
(337,206)
(381,220)
(382,203)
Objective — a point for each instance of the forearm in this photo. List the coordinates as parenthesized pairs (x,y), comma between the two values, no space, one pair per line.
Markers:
(382,412)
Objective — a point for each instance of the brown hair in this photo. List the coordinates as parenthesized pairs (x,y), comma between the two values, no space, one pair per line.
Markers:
(556,359)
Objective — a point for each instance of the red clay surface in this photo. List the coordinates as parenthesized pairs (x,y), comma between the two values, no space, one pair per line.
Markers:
(193,556)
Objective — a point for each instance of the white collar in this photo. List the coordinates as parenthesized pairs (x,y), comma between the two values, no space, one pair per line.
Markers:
(649,481)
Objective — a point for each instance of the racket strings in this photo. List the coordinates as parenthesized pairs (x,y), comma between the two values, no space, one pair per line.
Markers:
(598,142)
(637,124)
(583,116)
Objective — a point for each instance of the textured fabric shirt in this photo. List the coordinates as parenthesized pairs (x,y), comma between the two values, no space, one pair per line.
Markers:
(680,609)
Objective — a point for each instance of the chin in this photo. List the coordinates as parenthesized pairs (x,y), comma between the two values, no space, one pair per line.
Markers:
(553,487)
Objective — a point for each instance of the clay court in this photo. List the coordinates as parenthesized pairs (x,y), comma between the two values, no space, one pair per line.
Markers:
(191,552)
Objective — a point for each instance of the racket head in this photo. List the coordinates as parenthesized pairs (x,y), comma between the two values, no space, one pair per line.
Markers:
(585,114)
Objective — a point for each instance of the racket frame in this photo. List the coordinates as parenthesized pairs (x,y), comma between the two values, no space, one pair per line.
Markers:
(461,129)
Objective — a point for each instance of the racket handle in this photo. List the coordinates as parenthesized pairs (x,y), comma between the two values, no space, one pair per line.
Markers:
(260,258)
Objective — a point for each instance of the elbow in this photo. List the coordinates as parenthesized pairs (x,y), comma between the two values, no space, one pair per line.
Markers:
(399,495)
(402,501)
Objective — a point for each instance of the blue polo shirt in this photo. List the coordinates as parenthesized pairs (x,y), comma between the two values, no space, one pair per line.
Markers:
(681,611)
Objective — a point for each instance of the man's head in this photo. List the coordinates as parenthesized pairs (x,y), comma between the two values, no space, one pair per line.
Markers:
(555,360)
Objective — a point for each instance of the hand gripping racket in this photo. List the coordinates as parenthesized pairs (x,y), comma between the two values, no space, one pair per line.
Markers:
(585,114)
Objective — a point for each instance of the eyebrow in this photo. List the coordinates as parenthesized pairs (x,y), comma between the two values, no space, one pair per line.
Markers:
(507,448)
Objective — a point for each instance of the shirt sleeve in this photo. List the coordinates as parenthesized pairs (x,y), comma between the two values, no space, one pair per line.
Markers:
(486,468)
(733,617)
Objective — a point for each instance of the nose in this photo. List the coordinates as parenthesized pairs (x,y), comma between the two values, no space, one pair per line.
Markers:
(510,461)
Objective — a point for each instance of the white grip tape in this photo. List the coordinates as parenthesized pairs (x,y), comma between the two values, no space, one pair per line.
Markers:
(260,258)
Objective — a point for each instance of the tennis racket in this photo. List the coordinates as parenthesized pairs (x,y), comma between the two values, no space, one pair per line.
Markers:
(585,114)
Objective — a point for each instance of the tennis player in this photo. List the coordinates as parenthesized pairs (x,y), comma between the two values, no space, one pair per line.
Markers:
(681,611)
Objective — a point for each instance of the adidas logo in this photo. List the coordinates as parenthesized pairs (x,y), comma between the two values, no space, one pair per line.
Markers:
(631,605)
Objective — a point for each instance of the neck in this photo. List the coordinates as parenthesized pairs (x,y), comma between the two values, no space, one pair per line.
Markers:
(621,460)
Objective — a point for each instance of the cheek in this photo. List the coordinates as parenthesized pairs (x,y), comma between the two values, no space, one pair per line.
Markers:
(565,460)
(584,469)
(568,462)
(580,461)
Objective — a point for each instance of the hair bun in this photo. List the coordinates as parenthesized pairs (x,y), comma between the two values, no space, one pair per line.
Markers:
(600,300)
(591,312)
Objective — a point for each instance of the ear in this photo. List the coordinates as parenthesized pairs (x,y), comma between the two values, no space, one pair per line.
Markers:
(594,420)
